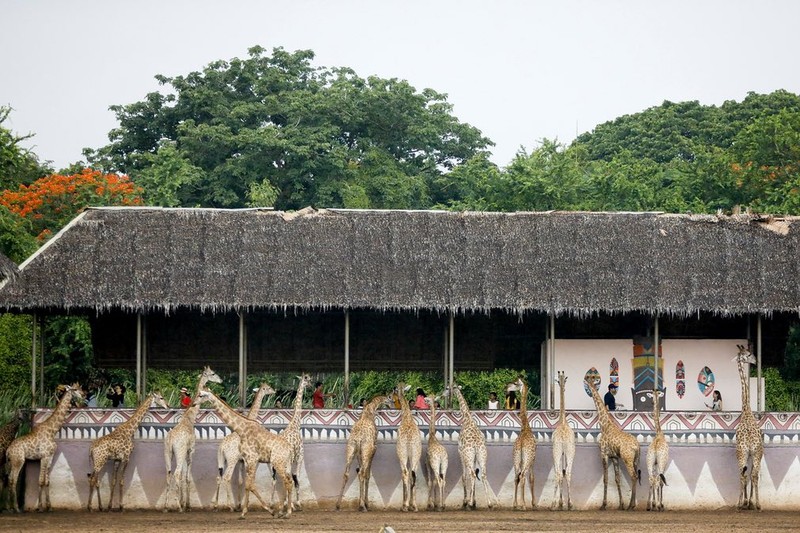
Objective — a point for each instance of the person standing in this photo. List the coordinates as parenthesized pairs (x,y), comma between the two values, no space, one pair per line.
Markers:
(716,403)
(117,395)
(494,403)
(512,402)
(609,399)
(419,403)
(186,400)
(318,398)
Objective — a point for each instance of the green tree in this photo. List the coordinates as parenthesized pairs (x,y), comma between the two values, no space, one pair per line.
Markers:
(275,123)
(18,165)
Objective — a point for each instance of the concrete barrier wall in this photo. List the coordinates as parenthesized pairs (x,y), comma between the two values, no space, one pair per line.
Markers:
(702,472)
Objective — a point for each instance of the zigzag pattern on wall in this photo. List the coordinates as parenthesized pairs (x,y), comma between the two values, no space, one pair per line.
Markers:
(690,427)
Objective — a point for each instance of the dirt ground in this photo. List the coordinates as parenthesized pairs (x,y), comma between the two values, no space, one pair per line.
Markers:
(329,520)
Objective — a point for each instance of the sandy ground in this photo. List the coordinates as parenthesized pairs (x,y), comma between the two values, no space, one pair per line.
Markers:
(347,520)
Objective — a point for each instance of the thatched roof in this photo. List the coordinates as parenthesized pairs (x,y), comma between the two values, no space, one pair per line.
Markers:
(153,259)
(8,268)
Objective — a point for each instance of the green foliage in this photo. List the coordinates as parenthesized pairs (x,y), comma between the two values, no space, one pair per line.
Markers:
(16,241)
(15,351)
(18,165)
(314,135)
(776,391)
(476,386)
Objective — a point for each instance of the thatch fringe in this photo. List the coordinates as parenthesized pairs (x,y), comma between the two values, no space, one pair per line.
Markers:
(567,263)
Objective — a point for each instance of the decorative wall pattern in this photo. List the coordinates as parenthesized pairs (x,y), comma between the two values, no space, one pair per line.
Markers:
(702,472)
(690,427)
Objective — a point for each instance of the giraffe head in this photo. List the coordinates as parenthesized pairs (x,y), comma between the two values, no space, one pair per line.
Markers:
(203,396)
(431,401)
(156,399)
(264,388)
(561,379)
(305,381)
(209,375)
(744,356)
(516,385)
(74,391)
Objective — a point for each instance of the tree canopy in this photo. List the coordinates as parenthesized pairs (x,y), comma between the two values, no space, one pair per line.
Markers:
(275,127)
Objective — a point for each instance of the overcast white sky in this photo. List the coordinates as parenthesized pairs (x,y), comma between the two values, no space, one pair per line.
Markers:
(518,70)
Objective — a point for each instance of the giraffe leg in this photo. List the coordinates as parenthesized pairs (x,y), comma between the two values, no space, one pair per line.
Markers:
(605,483)
(754,477)
(618,479)
(568,477)
(415,456)
(742,485)
(44,493)
(431,499)
(123,467)
(531,478)
(298,506)
(633,474)
(349,455)
(13,477)
(487,489)
(364,474)
(187,478)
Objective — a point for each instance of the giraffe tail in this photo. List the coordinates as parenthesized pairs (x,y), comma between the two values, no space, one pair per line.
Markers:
(413,478)
(639,476)
(478,473)
(663,479)
(297,483)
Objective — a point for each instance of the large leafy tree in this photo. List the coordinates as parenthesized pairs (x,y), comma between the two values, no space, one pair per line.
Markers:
(273,125)
(18,165)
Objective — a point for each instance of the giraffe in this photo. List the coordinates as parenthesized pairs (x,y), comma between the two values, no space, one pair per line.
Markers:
(7,435)
(294,436)
(657,458)
(563,450)
(615,445)
(362,441)
(473,454)
(437,461)
(409,450)
(228,455)
(180,441)
(257,445)
(524,452)
(117,446)
(749,439)
(40,444)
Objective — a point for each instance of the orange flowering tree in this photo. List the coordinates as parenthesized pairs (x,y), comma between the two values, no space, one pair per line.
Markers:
(51,202)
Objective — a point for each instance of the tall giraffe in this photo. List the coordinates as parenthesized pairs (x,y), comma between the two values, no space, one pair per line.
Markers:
(657,458)
(40,444)
(117,446)
(437,461)
(563,449)
(257,445)
(615,444)
(749,438)
(409,449)
(294,436)
(7,435)
(180,441)
(524,452)
(473,454)
(362,442)
(228,455)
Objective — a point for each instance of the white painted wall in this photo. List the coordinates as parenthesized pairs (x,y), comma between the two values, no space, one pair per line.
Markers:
(576,356)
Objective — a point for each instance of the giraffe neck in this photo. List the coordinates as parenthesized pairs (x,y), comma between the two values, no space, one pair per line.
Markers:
(232,419)
(745,390)
(372,406)
(656,410)
(190,415)
(432,423)
(466,414)
(129,426)
(252,414)
(294,423)
(56,419)
(523,404)
(404,407)
(602,413)
(562,414)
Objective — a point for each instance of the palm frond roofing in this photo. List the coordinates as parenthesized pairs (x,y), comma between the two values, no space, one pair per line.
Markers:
(576,263)
(8,268)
